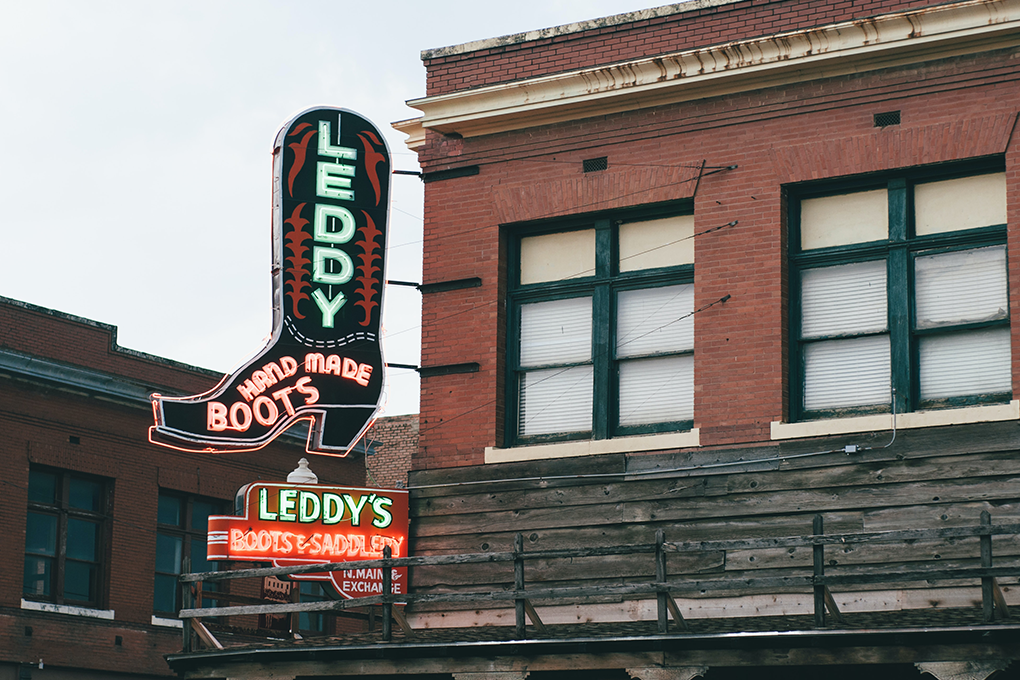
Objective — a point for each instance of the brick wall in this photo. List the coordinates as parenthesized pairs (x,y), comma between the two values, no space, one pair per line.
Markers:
(951,109)
(394,440)
(635,40)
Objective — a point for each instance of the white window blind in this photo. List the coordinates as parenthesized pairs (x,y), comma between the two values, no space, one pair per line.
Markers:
(846,373)
(963,286)
(556,399)
(844,300)
(556,332)
(653,320)
(657,390)
(966,363)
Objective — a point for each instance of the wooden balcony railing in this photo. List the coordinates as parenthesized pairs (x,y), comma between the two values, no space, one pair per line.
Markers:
(662,587)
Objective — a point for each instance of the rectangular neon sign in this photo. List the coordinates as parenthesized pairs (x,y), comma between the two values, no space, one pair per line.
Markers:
(291,524)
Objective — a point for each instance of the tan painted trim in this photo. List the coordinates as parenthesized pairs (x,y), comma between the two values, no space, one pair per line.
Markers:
(107,614)
(782,604)
(167,623)
(837,49)
(413,129)
(595,447)
(904,421)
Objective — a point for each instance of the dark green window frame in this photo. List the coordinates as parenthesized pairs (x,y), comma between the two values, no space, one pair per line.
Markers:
(181,529)
(899,251)
(67,538)
(603,286)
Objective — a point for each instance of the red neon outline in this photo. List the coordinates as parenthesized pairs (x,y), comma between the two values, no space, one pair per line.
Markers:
(220,552)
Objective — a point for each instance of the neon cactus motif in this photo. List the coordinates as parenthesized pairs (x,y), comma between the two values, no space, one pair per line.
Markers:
(324,361)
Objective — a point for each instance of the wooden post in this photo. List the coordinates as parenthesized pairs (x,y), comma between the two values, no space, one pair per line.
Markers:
(387,589)
(660,577)
(295,617)
(519,585)
(186,603)
(987,595)
(819,560)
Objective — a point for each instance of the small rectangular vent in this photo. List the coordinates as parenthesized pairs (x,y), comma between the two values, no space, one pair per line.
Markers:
(886,119)
(595,164)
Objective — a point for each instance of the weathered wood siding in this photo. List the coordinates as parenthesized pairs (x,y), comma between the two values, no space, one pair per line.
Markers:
(932,478)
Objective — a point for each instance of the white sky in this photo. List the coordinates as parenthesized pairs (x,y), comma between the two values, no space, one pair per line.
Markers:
(135,182)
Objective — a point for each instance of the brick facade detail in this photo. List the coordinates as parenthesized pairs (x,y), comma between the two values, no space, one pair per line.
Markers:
(954,108)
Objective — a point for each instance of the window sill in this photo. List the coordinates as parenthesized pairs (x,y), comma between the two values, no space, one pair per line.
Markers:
(904,421)
(167,623)
(67,609)
(594,447)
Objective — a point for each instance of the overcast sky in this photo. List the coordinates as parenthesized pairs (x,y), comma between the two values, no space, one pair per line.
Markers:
(136,176)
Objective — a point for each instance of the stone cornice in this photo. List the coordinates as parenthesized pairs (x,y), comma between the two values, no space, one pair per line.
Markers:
(837,49)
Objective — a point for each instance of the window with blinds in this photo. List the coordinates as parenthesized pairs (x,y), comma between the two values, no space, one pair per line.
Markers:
(901,290)
(602,334)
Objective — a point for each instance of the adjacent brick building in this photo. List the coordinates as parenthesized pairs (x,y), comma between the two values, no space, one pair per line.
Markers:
(714,280)
(96,519)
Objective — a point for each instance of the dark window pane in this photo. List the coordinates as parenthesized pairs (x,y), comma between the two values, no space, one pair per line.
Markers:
(38,575)
(168,553)
(200,515)
(165,594)
(79,581)
(198,561)
(81,539)
(312,591)
(41,534)
(311,621)
(169,510)
(42,487)
(85,494)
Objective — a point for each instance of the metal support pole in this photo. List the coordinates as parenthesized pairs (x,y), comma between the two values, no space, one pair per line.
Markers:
(660,577)
(819,561)
(186,603)
(987,594)
(519,584)
(387,591)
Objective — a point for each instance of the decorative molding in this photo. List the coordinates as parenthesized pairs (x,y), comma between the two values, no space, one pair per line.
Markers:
(904,421)
(963,670)
(678,673)
(595,447)
(496,675)
(822,52)
(577,27)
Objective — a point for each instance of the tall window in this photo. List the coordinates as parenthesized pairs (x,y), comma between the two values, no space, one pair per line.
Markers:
(900,285)
(601,333)
(181,533)
(66,538)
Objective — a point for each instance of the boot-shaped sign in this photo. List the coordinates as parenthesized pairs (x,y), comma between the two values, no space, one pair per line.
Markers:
(324,361)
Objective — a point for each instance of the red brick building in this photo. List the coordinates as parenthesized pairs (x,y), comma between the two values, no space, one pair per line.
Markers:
(97,520)
(741,272)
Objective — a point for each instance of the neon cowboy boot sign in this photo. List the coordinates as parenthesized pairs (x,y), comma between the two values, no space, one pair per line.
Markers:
(323,363)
